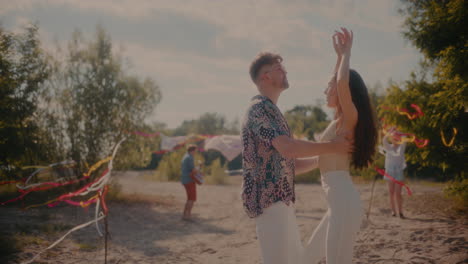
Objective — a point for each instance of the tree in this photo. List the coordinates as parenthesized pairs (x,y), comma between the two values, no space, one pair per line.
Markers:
(208,124)
(438,30)
(305,120)
(211,124)
(96,101)
(23,69)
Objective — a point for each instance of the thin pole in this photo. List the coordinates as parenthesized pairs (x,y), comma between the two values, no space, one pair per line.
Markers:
(372,196)
(105,240)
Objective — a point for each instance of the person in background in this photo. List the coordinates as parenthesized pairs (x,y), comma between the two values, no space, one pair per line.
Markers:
(188,168)
(394,166)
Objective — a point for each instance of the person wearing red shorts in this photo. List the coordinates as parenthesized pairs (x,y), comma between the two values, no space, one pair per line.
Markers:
(188,167)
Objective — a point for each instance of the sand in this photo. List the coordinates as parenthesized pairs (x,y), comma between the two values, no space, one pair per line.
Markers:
(151,231)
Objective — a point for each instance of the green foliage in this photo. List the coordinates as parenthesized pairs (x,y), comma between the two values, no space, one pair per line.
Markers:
(208,124)
(115,191)
(211,124)
(97,102)
(305,120)
(135,152)
(308,177)
(169,168)
(215,174)
(76,105)
(438,29)
(368,174)
(439,116)
(24,67)
(87,247)
(9,247)
(458,191)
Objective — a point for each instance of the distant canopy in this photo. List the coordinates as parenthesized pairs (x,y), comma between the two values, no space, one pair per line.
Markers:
(229,146)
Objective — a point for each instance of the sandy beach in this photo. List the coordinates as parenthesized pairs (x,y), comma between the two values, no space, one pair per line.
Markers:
(149,229)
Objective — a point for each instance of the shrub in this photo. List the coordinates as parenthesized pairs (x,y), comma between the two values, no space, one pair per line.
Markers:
(215,173)
(309,177)
(169,169)
(457,190)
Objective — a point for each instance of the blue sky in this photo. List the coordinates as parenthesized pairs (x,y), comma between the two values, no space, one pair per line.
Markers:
(199,51)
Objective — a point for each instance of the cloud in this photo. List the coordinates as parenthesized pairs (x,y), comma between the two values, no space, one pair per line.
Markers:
(396,67)
(201,49)
(238,27)
(377,15)
(205,74)
(265,24)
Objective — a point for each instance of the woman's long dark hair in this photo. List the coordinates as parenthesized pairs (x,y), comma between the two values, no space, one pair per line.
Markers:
(365,133)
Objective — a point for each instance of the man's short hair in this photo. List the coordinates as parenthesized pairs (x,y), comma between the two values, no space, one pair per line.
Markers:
(191,147)
(262,59)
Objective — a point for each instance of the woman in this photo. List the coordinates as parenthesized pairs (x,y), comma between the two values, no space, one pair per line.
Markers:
(394,166)
(347,94)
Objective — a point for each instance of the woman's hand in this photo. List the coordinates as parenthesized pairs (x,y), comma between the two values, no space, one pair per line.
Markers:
(337,46)
(342,42)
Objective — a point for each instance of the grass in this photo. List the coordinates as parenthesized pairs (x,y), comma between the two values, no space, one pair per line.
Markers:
(428,183)
(8,247)
(87,247)
(137,198)
(116,195)
(11,244)
(437,204)
(7,192)
(43,228)
(52,228)
(311,177)
(457,192)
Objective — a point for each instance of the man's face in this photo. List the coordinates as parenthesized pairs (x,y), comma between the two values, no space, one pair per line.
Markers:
(276,75)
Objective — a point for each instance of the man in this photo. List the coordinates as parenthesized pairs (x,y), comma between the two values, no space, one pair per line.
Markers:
(270,160)
(188,167)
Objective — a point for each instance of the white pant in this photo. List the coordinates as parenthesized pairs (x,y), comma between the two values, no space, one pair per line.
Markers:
(278,235)
(335,235)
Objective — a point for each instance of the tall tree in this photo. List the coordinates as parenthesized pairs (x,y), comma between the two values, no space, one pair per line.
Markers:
(23,69)
(98,101)
(438,30)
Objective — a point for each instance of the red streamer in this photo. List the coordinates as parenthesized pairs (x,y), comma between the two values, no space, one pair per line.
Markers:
(68,195)
(383,173)
(411,116)
(8,182)
(103,200)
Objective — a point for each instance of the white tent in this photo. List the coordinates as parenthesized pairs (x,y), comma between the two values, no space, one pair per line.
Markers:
(229,145)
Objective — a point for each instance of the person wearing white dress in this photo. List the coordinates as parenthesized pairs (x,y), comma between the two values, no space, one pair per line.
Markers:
(394,166)
(335,235)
